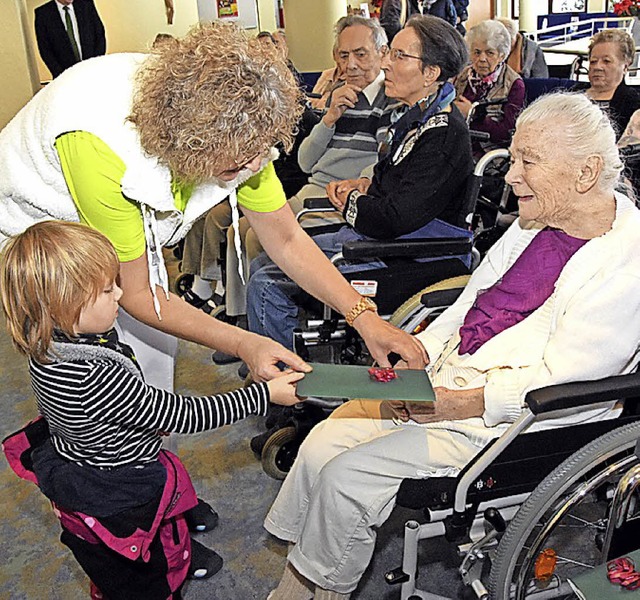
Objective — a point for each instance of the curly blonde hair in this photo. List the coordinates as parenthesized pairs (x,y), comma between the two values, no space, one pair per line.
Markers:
(212,99)
(48,274)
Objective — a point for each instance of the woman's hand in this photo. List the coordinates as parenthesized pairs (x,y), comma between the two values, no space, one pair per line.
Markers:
(464,105)
(282,388)
(383,339)
(337,191)
(263,354)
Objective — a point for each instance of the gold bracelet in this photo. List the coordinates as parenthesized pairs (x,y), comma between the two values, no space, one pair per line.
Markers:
(361,306)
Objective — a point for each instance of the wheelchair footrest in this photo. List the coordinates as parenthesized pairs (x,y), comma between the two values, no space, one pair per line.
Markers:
(396,576)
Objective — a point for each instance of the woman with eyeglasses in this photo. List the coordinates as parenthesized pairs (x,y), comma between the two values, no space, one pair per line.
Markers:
(417,187)
(490,78)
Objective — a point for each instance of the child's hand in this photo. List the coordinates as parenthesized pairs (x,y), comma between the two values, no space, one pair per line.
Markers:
(283,388)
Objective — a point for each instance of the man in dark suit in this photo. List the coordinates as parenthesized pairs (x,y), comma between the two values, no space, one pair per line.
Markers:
(67,32)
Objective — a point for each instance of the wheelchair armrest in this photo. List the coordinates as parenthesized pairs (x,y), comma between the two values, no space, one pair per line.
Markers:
(441,297)
(318,204)
(415,248)
(572,395)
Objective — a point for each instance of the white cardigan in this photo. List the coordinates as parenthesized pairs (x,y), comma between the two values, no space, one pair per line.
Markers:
(588,328)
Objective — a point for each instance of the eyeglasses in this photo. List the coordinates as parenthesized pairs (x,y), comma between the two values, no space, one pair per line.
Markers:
(240,164)
(397,54)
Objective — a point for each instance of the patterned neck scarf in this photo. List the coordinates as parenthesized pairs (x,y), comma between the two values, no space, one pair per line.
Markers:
(406,119)
(109,339)
(482,85)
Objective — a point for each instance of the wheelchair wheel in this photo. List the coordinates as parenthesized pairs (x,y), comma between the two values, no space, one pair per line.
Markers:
(279,452)
(183,283)
(568,513)
(413,316)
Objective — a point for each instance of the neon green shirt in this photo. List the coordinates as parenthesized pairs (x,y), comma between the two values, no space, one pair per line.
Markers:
(93,173)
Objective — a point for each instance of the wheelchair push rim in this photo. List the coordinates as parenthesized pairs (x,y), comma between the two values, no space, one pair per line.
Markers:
(568,514)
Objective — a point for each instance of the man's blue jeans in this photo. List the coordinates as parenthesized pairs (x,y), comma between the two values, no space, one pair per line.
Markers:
(273,299)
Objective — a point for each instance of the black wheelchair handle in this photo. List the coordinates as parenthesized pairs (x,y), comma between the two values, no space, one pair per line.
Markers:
(630,151)
(317,203)
(415,248)
(572,395)
(481,136)
(496,102)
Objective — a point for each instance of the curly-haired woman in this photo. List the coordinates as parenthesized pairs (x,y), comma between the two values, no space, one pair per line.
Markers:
(141,146)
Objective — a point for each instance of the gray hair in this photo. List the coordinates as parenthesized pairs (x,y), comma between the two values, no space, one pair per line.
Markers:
(440,45)
(511,26)
(379,35)
(620,38)
(587,127)
(493,34)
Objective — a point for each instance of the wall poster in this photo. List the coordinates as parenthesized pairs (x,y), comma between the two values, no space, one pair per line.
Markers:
(227,9)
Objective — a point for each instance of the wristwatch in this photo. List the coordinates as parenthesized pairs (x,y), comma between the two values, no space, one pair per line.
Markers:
(361,306)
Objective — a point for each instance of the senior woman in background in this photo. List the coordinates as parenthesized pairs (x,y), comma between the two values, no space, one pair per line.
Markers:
(490,78)
(524,321)
(611,52)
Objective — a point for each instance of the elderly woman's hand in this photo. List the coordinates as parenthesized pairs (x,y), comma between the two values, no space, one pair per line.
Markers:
(337,191)
(450,405)
(263,354)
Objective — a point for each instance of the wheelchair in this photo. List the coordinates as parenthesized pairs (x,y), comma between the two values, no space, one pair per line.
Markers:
(571,505)
(430,288)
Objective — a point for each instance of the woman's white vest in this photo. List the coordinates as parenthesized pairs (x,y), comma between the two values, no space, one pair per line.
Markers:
(94,96)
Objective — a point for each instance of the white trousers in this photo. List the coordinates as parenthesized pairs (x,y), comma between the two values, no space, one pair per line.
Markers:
(343,486)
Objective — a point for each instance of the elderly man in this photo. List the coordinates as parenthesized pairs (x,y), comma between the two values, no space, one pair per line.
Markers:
(345,141)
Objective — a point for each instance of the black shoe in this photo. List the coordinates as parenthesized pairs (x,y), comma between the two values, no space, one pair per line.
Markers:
(258,441)
(193,299)
(243,371)
(201,517)
(204,562)
(213,304)
(222,358)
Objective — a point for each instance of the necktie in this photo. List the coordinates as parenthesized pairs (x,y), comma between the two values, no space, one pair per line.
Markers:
(72,38)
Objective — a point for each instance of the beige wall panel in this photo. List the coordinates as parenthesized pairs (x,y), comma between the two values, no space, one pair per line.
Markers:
(309,25)
(17,61)
(131,25)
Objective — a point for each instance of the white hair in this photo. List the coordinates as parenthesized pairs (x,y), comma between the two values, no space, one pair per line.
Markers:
(510,25)
(493,34)
(586,126)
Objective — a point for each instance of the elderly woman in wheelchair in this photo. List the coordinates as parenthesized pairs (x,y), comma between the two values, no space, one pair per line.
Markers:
(556,300)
